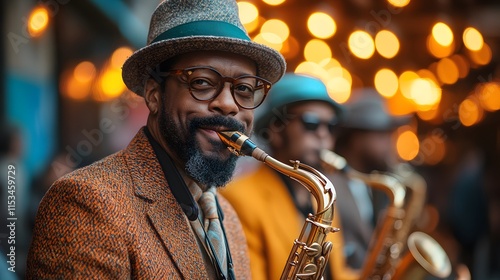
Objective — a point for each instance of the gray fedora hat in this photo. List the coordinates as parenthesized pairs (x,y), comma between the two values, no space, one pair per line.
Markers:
(367,111)
(183,26)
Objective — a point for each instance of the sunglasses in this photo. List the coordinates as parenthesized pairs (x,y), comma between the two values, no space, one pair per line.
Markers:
(311,122)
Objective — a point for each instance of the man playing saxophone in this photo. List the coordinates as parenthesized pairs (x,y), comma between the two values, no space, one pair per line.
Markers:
(299,122)
(365,141)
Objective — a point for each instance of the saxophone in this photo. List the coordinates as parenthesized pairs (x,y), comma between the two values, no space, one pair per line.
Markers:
(309,255)
(395,253)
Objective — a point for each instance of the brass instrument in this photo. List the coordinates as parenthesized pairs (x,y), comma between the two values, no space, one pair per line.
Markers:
(394,252)
(309,255)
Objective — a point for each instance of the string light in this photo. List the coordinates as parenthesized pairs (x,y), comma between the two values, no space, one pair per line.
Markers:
(38,21)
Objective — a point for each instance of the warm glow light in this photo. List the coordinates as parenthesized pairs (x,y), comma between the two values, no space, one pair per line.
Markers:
(425,73)
(469,112)
(317,51)
(447,71)
(489,96)
(119,56)
(462,65)
(77,90)
(273,2)
(386,82)
(442,34)
(73,88)
(425,93)
(473,39)
(321,25)
(84,72)
(277,27)
(248,12)
(313,69)
(428,115)
(407,145)
(399,3)
(339,89)
(405,82)
(361,44)
(290,48)
(481,57)
(387,43)
(399,105)
(38,21)
(269,39)
(111,84)
(254,25)
(438,50)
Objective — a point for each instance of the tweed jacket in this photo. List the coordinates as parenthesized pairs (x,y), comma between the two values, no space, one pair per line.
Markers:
(117,219)
(272,222)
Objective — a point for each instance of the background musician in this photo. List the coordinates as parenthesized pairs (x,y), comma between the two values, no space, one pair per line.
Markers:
(298,121)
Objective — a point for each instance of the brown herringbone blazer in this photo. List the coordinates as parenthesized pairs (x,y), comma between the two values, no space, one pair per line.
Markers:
(117,219)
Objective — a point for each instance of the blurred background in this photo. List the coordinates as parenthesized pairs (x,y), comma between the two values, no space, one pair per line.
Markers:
(63,104)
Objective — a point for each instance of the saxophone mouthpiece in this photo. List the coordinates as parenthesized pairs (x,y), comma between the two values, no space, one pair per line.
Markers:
(334,160)
(238,143)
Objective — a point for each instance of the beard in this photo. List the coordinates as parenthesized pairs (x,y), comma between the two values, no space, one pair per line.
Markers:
(206,170)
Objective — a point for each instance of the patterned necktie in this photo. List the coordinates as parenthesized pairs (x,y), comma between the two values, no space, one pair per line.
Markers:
(213,229)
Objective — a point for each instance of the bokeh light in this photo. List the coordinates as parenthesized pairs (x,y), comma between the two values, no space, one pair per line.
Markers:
(399,3)
(278,29)
(38,21)
(248,12)
(407,145)
(387,43)
(442,34)
(425,93)
(321,25)
(437,49)
(405,82)
(447,71)
(386,82)
(361,44)
(84,72)
(462,64)
(269,39)
(473,40)
(489,96)
(482,56)
(469,112)
(317,51)
(273,2)
(119,56)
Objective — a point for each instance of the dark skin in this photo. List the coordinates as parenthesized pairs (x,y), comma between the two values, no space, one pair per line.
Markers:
(181,107)
(291,141)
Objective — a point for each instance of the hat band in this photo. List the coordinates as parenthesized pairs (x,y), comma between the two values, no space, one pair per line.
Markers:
(203,28)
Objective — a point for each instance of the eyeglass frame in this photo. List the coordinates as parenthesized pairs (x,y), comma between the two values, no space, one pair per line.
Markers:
(331,125)
(224,79)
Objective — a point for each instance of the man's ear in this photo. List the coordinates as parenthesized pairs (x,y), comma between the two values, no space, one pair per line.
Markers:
(152,96)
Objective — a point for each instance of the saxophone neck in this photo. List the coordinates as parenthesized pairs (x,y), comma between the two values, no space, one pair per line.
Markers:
(391,186)
(313,180)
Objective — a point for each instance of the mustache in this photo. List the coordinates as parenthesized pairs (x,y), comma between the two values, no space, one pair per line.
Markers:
(216,122)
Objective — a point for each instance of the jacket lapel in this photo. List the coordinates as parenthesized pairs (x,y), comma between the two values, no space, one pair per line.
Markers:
(163,211)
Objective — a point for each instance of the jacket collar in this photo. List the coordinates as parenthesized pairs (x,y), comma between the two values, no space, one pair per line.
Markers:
(162,209)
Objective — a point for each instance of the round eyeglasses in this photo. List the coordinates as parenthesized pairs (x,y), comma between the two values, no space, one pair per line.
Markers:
(206,83)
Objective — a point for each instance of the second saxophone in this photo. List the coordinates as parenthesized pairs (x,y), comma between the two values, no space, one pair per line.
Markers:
(395,252)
